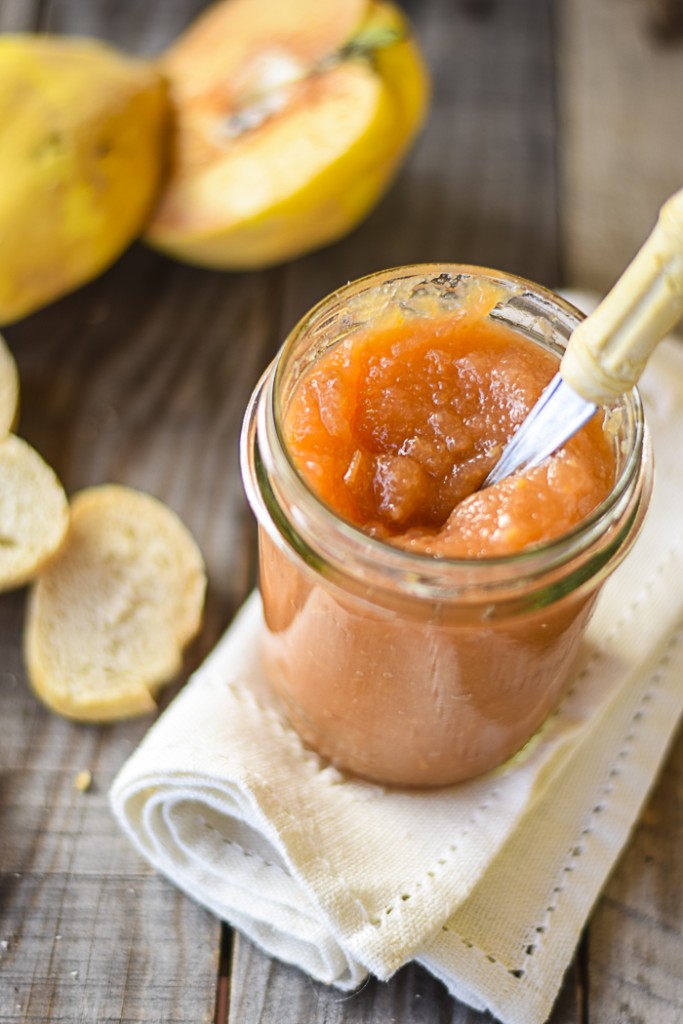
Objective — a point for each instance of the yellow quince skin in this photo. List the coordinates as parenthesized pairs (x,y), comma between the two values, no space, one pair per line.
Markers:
(290,121)
(82,150)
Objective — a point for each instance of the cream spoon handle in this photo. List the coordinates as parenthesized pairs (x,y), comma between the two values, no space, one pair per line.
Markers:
(608,351)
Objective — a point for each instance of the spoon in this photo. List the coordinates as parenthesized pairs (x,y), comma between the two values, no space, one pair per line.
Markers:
(607,352)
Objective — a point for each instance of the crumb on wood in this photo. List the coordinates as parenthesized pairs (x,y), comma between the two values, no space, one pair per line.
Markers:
(83,780)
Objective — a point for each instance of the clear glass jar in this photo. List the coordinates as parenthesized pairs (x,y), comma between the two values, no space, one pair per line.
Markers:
(400,667)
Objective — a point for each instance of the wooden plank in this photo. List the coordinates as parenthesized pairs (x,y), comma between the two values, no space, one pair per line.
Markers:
(135,27)
(277,994)
(87,931)
(480,187)
(636,933)
(622,152)
(20,15)
(140,377)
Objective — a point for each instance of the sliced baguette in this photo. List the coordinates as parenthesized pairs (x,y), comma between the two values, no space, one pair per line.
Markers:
(9,390)
(34,513)
(108,621)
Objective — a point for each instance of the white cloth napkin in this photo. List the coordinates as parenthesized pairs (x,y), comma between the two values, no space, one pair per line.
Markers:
(488,883)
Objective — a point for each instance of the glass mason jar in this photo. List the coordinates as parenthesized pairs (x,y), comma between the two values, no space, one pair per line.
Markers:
(397,666)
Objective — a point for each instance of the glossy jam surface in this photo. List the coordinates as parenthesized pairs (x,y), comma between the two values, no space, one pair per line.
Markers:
(397,428)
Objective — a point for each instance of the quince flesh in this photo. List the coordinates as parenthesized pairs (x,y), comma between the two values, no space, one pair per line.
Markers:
(291,120)
(81,149)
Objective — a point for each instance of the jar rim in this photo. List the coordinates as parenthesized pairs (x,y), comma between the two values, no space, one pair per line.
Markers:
(326,541)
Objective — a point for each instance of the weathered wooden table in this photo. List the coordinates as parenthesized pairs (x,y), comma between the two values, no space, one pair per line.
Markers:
(555,132)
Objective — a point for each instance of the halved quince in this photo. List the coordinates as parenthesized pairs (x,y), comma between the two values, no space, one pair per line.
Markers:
(82,151)
(291,119)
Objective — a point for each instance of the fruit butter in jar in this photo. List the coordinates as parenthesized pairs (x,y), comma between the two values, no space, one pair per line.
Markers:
(419,629)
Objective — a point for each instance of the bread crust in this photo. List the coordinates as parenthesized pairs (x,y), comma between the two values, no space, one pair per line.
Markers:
(9,390)
(34,513)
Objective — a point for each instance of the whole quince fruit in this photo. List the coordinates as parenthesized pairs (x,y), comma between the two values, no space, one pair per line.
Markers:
(290,121)
(81,150)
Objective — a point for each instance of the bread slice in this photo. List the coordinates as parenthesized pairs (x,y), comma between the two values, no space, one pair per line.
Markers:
(9,390)
(108,621)
(34,513)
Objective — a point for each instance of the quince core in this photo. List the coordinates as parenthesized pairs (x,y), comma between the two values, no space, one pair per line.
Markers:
(290,121)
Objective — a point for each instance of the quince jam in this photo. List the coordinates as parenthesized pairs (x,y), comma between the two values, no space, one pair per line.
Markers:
(392,400)
(397,428)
